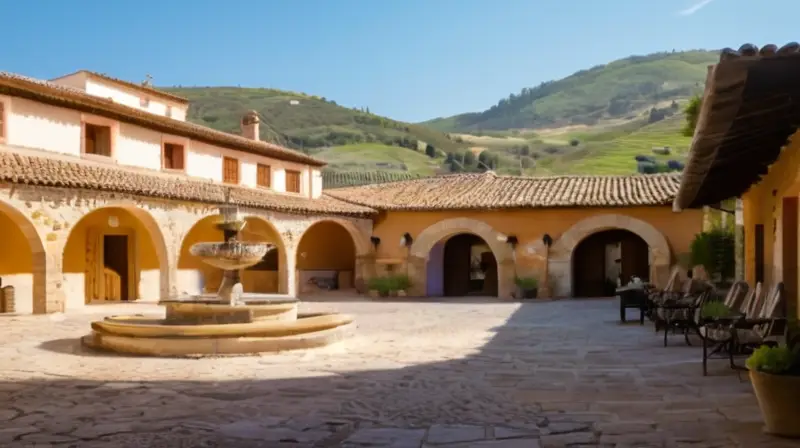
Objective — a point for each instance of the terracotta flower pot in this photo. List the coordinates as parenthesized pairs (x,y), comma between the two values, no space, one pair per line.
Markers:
(779,399)
(374,293)
(401,293)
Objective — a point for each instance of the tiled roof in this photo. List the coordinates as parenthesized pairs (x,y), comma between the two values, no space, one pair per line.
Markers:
(490,191)
(131,85)
(750,108)
(71,98)
(66,172)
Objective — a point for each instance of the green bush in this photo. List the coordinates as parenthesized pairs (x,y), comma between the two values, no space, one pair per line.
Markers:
(389,283)
(779,360)
(527,283)
(715,251)
(715,309)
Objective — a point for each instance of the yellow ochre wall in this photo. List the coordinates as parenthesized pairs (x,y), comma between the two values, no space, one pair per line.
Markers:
(326,246)
(16,263)
(763,204)
(75,255)
(529,225)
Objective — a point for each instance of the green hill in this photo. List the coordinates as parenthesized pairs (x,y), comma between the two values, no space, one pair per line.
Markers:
(618,90)
(303,122)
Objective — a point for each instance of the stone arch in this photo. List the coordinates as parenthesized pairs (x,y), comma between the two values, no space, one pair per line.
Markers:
(424,242)
(336,254)
(563,249)
(31,286)
(140,217)
(192,273)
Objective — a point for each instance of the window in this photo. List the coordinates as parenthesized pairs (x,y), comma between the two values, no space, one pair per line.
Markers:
(2,121)
(230,170)
(263,176)
(144,101)
(292,181)
(173,156)
(97,140)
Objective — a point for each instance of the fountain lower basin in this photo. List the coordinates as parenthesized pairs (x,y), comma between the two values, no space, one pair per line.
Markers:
(207,327)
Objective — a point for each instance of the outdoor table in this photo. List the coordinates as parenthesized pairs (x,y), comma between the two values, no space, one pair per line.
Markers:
(632,296)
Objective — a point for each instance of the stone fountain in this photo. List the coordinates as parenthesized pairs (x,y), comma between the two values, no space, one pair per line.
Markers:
(230,322)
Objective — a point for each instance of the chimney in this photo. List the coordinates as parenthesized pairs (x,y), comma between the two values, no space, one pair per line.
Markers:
(250,125)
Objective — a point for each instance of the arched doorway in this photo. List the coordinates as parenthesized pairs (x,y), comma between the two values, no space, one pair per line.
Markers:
(562,252)
(462,265)
(21,250)
(606,256)
(268,276)
(326,259)
(115,254)
(423,250)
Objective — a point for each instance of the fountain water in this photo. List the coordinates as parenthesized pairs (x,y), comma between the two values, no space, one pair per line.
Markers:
(229,322)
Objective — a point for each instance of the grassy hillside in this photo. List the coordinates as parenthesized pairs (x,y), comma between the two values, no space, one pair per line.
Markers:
(618,90)
(377,157)
(303,122)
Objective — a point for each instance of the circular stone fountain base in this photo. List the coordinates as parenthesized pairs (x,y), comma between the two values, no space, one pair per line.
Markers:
(203,310)
(139,335)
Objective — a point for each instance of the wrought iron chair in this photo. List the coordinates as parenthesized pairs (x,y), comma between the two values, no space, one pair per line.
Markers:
(715,331)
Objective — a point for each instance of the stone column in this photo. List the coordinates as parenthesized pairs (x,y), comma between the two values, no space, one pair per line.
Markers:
(364,270)
(418,273)
(53,298)
(739,241)
(505,278)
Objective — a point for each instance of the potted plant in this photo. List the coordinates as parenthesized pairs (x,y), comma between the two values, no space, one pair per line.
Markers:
(389,286)
(775,375)
(378,287)
(528,287)
(401,283)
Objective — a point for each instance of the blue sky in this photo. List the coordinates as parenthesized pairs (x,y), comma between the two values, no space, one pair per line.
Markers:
(407,59)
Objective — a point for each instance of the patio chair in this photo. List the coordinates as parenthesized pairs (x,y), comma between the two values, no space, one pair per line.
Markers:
(673,301)
(715,332)
(673,291)
(684,314)
(769,327)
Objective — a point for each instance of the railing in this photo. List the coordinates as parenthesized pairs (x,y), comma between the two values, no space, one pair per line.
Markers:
(113,285)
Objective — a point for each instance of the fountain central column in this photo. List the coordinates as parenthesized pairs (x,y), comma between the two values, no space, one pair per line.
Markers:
(231,289)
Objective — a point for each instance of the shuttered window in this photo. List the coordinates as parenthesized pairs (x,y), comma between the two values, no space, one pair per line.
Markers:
(263,176)
(97,140)
(174,156)
(292,181)
(230,170)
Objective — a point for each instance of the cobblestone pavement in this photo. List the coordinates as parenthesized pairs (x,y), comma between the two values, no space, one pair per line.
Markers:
(468,373)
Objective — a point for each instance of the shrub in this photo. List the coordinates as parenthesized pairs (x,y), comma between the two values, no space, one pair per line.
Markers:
(527,283)
(715,309)
(389,283)
(779,360)
(715,251)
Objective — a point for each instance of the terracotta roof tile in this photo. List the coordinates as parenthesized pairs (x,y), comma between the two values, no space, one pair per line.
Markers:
(750,108)
(48,171)
(490,191)
(69,97)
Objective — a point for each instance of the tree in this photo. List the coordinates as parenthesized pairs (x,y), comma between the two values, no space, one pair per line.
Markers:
(469,158)
(430,151)
(692,112)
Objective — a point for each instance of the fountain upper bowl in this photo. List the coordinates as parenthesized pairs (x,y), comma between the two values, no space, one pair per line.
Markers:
(231,255)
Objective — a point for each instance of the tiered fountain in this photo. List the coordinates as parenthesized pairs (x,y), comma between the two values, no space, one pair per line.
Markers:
(230,322)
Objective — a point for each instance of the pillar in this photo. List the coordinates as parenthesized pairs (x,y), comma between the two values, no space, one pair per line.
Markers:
(505,278)
(53,299)
(418,273)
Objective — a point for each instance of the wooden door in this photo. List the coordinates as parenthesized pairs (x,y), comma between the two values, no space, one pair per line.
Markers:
(93,270)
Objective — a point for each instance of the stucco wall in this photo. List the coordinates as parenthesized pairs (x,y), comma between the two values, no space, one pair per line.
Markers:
(763,204)
(529,226)
(43,127)
(124,95)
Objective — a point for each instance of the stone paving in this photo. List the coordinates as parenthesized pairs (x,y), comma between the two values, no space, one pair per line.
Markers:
(466,373)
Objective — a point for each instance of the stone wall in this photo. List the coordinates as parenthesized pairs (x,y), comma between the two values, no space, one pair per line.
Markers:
(46,216)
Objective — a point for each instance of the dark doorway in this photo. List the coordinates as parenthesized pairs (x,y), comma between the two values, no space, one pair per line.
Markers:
(605,256)
(469,270)
(115,258)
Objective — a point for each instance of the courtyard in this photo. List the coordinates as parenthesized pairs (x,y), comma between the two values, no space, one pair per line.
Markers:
(460,373)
